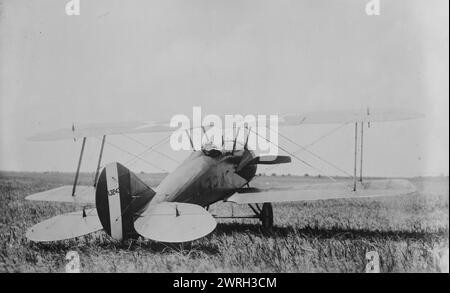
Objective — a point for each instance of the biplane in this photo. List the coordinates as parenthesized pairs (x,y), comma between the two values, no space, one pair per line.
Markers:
(177,210)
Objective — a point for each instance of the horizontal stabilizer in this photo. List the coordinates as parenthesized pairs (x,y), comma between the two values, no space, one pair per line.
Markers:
(83,195)
(175,222)
(323,191)
(65,226)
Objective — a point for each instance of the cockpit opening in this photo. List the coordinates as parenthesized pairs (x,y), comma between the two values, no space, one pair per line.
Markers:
(212,150)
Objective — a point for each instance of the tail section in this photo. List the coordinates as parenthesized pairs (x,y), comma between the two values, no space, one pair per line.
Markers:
(119,198)
(175,222)
(65,226)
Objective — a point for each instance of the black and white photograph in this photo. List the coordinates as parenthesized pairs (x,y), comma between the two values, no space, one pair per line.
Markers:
(224,136)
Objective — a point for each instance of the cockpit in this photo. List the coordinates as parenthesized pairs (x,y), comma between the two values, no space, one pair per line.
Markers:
(212,150)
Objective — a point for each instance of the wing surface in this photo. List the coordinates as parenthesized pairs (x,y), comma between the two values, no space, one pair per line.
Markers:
(293,119)
(83,195)
(348,116)
(321,191)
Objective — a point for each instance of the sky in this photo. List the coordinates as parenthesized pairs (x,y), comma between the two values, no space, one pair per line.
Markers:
(150,60)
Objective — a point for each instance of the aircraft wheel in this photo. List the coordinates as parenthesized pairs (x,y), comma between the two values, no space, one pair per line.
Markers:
(266,216)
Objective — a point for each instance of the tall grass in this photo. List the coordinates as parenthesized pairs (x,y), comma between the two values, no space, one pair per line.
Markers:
(410,233)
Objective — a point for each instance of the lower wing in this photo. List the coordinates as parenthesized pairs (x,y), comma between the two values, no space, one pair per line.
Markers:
(320,191)
(83,195)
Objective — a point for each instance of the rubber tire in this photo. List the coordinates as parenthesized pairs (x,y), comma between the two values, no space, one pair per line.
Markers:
(267,216)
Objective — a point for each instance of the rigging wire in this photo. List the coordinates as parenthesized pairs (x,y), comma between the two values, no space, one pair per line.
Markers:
(294,156)
(130,162)
(313,154)
(135,156)
(305,148)
(154,149)
(324,136)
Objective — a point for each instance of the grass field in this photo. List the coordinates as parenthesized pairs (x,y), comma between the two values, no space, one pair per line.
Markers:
(410,233)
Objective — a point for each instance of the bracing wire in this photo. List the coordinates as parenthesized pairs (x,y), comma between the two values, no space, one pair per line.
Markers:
(151,147)
(306,148)
(323,136)
(294,156)
(135,156)
(313,154)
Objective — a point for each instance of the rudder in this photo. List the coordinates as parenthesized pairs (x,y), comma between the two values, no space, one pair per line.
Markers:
(120,196)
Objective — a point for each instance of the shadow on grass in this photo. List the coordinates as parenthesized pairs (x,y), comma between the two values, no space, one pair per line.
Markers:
(100,241)
(103,242)
(324,233)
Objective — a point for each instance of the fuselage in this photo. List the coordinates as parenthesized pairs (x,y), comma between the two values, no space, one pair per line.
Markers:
(206,177)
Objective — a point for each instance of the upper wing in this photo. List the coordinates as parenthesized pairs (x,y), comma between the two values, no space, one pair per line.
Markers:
(348,116)
(83,195)
(320,191)
(99,129)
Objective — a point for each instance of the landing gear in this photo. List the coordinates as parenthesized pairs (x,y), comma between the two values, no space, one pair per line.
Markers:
(264,213)
(266,216)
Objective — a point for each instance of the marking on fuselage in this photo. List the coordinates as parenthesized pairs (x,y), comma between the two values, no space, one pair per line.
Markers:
(115,212)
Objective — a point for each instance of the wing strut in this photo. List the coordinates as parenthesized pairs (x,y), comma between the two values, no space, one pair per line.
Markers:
(235,140)
(78,168)
(190,140)
(204,132)
(361,154)
(99,160)
(356,156)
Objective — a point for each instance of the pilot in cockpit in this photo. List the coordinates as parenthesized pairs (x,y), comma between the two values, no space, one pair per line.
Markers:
(211,150)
